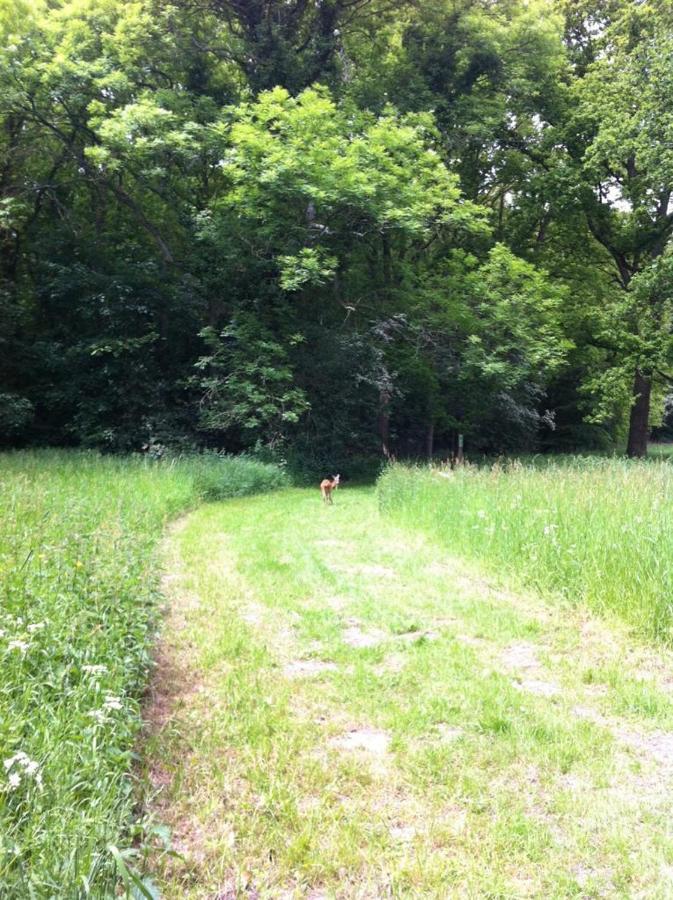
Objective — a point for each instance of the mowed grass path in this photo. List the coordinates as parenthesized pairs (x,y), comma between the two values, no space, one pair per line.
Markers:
(342,710)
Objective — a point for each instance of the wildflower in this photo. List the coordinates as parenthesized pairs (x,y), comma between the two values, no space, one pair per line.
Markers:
(95,669)
(30,767)
(481,514)
(18,645)
(112,702)
(35,626)
(549,529)
(79,564)
(99,715)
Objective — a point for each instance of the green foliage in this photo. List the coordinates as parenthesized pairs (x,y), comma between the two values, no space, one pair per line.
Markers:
(79,608)
(217,476)
(15,414)
(249,385)
(468,199)
(309,266)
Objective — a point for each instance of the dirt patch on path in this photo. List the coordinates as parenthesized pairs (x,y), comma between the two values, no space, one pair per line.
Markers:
(520,655)
(173,679)
(370,740)
(305,668)
(355,636)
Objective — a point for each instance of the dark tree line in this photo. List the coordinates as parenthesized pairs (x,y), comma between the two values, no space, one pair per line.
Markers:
(333,230)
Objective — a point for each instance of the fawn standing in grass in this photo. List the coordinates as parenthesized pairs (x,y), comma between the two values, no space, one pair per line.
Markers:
(327,485)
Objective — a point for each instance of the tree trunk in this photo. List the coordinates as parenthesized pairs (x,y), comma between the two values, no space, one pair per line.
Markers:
(384,428)
(459,451)
(430,440)
(640,416)
(387,263)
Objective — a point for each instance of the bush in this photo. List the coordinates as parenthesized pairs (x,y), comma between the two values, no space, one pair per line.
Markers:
(16,413)
(216,476)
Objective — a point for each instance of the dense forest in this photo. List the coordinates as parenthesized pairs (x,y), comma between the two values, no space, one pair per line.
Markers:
(329,231)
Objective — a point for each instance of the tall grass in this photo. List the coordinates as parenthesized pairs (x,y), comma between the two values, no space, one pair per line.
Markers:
(78,592)
(596,531)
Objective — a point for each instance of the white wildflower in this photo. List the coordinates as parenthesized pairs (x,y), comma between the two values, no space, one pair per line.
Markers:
(19,757)
(549,529)
(481,514)
(30,767)
(14,780)
(95,669)
(35,626)
(22,646)
(98,715)
(112,702)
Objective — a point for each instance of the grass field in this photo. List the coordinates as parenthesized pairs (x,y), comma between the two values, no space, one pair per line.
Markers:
(78,584)
(596,531)
(344,709)
(449,687)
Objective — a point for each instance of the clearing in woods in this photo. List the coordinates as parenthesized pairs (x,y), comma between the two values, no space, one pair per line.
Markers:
(341,710)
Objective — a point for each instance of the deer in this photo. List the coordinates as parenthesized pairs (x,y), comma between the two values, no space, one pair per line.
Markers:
(327,485)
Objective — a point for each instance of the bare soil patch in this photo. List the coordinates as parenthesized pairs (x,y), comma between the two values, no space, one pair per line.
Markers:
(403,833)
(392,664)
(539,687)
(520,655)
(369,740)
(305,668)
(356,637)
(449,732)
(658,744)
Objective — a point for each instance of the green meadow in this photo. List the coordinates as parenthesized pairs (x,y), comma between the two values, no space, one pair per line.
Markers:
(450,685)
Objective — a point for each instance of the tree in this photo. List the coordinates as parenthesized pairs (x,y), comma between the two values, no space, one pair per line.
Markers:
(325,211)
(622,178)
